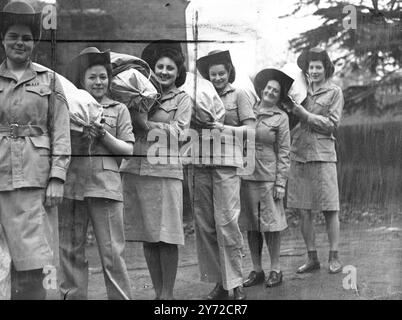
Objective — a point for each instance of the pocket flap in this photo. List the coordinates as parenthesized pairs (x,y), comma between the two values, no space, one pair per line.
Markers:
(110,163)
(41,142)
(168,106)
(323,136)
(230,106)
(41,90)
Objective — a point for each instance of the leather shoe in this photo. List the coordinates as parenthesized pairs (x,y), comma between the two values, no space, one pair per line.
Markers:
(309,266)
(254,278)
(218,293)
(335,266)
(239,294)
(274,279)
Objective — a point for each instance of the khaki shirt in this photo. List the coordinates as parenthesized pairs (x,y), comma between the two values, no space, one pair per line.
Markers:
(30,161)
(272,147)
(313,140)
(156,153)
(98,175)
(238,107)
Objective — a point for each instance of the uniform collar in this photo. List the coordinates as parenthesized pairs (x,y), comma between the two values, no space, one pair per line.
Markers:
(109,102)
(325,87)
(171,94)
(268,112)
(29,74)
(229,88)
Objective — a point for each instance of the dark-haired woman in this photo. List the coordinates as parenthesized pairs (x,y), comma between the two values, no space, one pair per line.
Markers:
(262,192)
(216,186)
(34,151)
(152,179)
(313,185)
(93,188)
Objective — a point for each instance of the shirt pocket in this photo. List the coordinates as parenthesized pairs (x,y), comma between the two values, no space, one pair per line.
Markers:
(325,144)
(111,125)
(41,142)
(165,112)
(37,157)
(110,163)
(231,114)
(322,104)
(37,97)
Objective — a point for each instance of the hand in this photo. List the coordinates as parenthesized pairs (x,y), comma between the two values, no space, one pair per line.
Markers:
(279,192)
(215,125)
(96,130)
(289,104)
(54,192)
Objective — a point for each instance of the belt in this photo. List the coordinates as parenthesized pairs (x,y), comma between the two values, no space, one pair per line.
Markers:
(15,130)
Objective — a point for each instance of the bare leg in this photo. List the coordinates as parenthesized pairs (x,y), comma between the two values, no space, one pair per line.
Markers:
(169,258)
(307,229)
(255,243)
(273,240)
(332,223)
(152,257)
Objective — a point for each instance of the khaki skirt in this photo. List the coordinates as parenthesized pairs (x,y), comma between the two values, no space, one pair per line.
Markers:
(313,186)
(259,211)
(153,209)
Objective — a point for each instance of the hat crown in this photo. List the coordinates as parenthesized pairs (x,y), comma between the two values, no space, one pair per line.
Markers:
(90,50)
(214,52)
(18,7)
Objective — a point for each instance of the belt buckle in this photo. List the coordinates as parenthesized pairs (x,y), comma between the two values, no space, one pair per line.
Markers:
(14,130)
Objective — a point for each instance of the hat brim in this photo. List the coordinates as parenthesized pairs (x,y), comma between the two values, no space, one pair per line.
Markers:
(306,56)
(84,61)
(222,57)
(262,77)
(34,21)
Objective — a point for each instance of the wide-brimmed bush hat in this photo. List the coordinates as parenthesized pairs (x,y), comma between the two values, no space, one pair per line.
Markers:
(316,54)
(213,58)
(21,12)
(154,50)
(262,78)
(87,58)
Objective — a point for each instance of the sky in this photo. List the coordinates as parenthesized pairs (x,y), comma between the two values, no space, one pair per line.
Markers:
(260,36)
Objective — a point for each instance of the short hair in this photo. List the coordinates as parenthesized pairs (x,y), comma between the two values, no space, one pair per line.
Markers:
(178,58)
(318,56)
(229,68)
(108,68)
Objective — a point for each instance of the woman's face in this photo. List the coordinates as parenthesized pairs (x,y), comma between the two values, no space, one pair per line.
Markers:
(96,81)
(316,71)
(219,76)
(271,93)
(18,43)
(167,72)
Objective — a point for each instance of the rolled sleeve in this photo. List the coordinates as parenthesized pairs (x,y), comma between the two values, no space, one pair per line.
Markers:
(245,105)
(124,126)
(283,156)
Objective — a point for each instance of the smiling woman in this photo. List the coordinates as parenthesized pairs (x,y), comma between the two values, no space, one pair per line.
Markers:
(32,179)
(153,194)
(93,186)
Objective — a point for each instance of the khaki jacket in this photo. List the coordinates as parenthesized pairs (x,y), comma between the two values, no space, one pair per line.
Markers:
(157,152)
(313,140)
(272,147)
(97,175)
(39,147)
